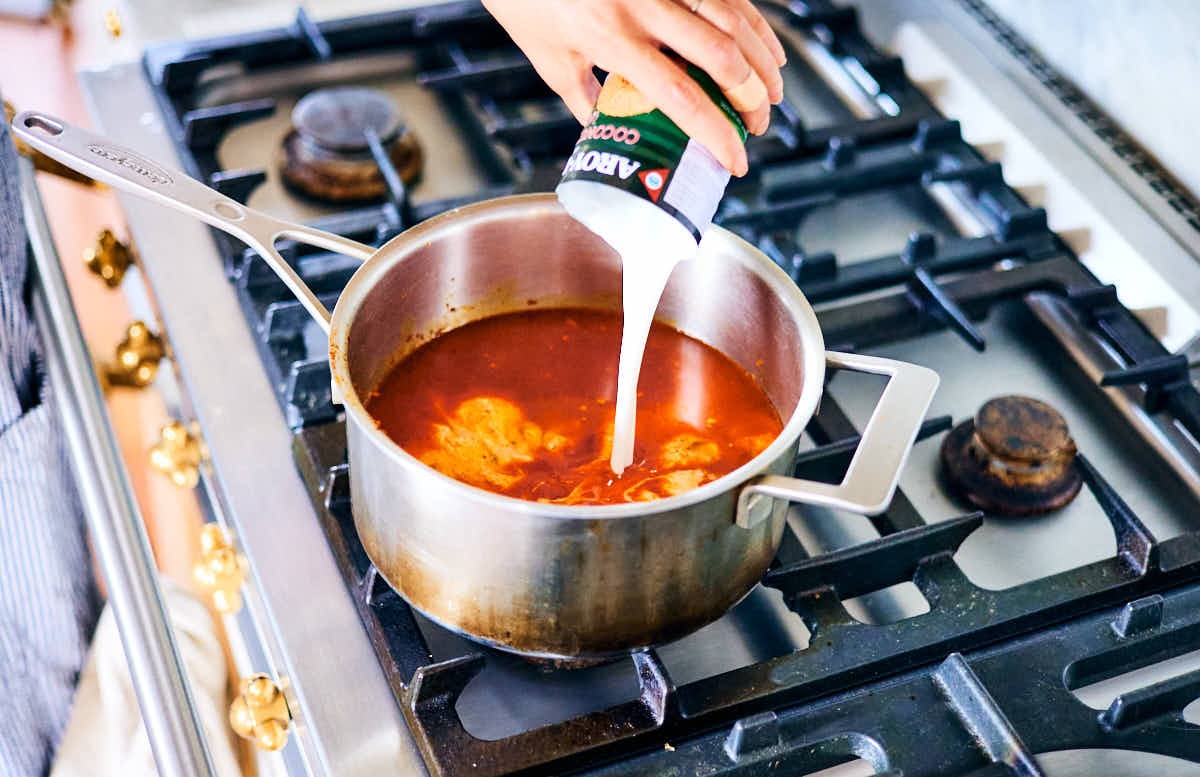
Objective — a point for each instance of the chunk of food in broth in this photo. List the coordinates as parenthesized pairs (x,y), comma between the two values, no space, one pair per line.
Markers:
(482,441)
(670,484)
(688,450)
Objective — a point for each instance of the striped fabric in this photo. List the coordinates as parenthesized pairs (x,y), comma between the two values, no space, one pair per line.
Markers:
(48,603)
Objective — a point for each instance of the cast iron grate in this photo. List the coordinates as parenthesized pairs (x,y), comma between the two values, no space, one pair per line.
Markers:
(973,686)
(492,91)
(965,716)
(845,659)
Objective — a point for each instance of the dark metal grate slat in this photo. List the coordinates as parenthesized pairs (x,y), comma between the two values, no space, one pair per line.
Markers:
(944,693)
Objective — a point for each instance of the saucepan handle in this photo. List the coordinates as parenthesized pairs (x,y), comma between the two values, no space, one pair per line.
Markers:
(875,467)
(125,169)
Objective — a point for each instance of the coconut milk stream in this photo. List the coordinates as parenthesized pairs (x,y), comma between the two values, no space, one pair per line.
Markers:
(639,182)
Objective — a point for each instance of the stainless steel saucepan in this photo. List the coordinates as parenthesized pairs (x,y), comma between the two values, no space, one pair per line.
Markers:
(552,581)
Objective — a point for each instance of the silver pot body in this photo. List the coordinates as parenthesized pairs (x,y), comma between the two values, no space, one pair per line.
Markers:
(554,581)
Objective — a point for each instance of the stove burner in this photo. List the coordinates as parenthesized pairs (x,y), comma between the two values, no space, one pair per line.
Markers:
(1016,457)
(327,155)
(335,119)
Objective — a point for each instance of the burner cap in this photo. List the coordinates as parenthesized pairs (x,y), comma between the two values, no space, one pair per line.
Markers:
(337,119)
(1016,457)
(326,154)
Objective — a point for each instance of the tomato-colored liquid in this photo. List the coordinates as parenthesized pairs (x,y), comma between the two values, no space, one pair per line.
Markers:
(522,404)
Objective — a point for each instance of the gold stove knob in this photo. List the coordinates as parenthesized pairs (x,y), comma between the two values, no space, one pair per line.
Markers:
(221,569)
(59,13)
(178,454)
(112,22)
(109,258)
(137,358)
(260,713)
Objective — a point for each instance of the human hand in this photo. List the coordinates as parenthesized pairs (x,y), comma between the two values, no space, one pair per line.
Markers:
(728,39)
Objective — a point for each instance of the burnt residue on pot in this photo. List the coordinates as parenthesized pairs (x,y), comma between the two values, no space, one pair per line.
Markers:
(579,631)
(1016,457)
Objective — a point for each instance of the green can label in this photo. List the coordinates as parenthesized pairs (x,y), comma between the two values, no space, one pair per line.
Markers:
(630,144)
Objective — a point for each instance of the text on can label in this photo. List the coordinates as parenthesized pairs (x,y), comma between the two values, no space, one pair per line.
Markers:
(621,134)
(603,162)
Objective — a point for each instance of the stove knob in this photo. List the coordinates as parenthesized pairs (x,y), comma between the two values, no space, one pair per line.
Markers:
(178,454)
(112,22)
(109,258)
(59,14)
(221,569)
(137,358)
(260,713)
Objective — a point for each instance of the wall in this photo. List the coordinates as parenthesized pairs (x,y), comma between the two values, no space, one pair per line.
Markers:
(1139,60)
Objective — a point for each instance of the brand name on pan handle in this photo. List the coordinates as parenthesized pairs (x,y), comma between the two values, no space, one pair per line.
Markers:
(127,159)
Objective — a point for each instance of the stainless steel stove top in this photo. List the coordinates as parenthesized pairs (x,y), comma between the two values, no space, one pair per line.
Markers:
(1022,357)
(347,719)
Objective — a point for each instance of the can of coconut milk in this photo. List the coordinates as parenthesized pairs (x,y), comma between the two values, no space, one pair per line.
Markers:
(630,148)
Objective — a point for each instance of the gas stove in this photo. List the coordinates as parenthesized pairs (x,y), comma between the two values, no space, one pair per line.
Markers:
(947,201)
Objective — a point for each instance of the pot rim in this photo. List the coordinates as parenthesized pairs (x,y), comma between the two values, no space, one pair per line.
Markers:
(812,354)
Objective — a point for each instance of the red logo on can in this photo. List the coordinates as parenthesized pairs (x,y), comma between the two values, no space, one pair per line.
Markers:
(654,180)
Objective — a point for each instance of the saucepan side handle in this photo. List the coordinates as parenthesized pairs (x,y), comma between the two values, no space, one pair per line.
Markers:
(127,170)
(875,467)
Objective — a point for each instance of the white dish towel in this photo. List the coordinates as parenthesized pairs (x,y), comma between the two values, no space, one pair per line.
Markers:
(105,736)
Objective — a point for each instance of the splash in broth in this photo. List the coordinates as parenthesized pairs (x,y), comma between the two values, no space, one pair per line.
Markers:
(522,404)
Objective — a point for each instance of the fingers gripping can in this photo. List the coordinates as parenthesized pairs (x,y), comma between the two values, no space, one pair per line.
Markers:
(630,149)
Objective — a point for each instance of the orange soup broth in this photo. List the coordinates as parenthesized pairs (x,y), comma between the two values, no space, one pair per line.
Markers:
(521,404)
